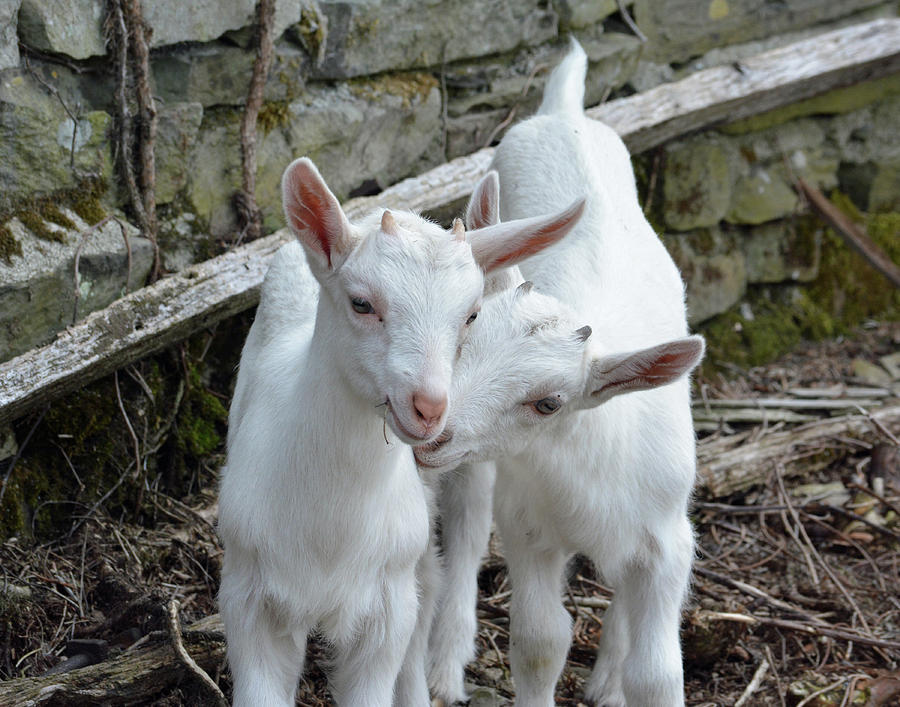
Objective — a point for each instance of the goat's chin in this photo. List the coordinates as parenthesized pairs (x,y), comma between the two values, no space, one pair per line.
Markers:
(437,463)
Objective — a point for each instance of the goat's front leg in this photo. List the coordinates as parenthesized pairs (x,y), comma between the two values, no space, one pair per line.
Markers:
(465,503)
(540,627)
(412,686)
(652,594)
(368,663)
(265,657)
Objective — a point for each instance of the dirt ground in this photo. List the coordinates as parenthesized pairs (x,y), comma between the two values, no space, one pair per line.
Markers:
(795,596)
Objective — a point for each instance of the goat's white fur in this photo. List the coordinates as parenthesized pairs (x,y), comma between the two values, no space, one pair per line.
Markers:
(611,480)
(321,511)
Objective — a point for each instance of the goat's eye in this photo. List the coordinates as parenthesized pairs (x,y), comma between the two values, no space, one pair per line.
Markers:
(472,317)
(361,306)
(546,406)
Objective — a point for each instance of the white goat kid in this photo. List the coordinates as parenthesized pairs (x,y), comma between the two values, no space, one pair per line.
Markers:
(322,519)
(580,468)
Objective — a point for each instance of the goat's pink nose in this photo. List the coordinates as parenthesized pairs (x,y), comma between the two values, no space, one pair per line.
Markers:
(429,409)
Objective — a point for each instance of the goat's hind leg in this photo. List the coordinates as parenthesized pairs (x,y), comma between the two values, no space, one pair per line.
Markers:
(465,503)
(653,593)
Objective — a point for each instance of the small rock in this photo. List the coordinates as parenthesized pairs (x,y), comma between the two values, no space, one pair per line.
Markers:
(892,364)
(484,697)
(870,373)
(831,494)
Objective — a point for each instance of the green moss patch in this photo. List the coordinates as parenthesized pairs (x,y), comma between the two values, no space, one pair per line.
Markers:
(272,115)
(9,245)
(37,213)
(846,292)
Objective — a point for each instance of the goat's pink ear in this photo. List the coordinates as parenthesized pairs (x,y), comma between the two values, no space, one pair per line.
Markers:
(314,214)
(484,204)
(510,242)
(643,370)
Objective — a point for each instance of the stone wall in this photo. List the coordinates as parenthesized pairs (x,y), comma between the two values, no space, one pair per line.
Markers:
(378,90)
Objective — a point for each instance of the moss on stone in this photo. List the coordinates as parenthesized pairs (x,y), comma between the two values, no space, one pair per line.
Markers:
(848,288)
(85,201)
(9,245)
(34,222)
(38,211)
(311,30)
(846,292)
(409,86)
(273,114)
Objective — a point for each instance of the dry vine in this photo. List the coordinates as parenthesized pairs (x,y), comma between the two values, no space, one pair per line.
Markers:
(126,30)
(249,216)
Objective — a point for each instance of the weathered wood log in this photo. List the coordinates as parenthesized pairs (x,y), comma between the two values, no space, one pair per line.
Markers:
(172,309)
(724,468)
(127,678)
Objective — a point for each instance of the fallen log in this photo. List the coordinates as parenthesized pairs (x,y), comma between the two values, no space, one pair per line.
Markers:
(129,677)
(726,465)
(173,308)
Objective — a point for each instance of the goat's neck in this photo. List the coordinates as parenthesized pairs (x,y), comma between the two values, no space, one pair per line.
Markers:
(340,413)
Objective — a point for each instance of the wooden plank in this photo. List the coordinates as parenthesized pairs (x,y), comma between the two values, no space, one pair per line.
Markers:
(173,308)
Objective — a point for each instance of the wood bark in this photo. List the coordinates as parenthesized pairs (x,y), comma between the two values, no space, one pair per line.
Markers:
(128,678)
(728,465)
(173,308)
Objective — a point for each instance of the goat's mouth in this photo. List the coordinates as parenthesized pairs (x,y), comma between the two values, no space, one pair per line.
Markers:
(402,432)
(433,456)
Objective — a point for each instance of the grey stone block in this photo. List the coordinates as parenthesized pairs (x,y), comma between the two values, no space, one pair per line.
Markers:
(380,130)
(37,289)
(9,40)
(681,29)
(36,145)
(365,38)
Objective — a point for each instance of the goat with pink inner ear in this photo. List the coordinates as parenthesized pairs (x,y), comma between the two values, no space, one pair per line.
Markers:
(577,388)
(322,513)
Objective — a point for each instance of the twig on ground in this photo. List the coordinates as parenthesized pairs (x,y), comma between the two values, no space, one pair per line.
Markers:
(754,684)
(185,657)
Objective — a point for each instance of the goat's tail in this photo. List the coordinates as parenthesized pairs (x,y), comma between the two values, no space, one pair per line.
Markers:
(564,92)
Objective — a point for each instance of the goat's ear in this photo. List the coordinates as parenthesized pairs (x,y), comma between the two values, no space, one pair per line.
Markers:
(642,370)
(510,242)
(484,205)
(314,215)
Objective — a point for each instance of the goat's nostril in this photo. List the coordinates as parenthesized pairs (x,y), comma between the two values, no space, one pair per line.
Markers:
(429,409)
